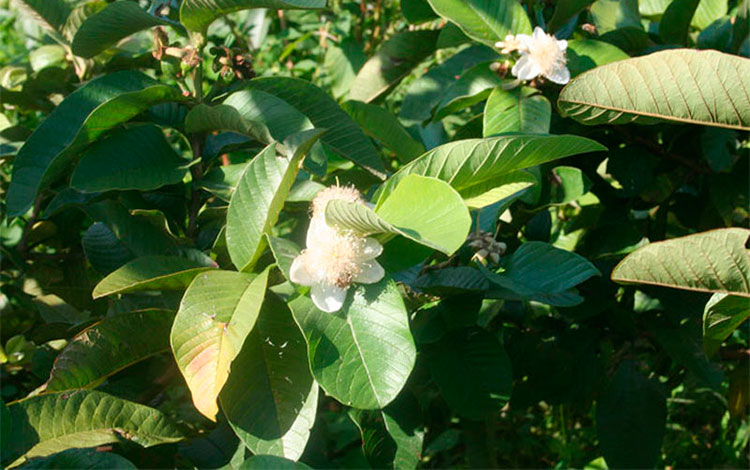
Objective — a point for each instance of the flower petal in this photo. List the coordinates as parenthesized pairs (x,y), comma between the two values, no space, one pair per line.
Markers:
(562,44)
(370,272)
(319,232)
(370,250)
(328,297)
(538,33)
(300,273)
(559,75)
(525,68)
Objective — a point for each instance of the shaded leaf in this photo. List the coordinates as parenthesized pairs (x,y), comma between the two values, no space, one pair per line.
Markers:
(79,120)
(270,396)
(722,315)
(197,15)
(109,346)
(137,157)
(81,458)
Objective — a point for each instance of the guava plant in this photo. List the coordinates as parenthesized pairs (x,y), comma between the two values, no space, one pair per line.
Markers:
(374,234)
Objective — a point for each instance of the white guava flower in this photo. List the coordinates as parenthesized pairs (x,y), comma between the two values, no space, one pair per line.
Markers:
(334,259)
(541,54)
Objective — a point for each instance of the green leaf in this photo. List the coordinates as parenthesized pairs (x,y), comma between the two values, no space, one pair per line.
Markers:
(564,11)
(630,418)
(225,117)
(270,397)
(707,12)
(107,347)
(136,157)
(487,21)
(197,15)
(103,250)
(477,358)
(586,54)
(722,315)
(271,462)
(47,424)
(256,205)
(51,13)
(284,251)
(442,221)
(150,273)
(741,28)
(395,59)
(426,92)
(341,63)
(381,125)
(80,119)
(714,261)
(81,458)
(517,110)
(680,85)
(343,135)
(538,268)
(218,311)
(610,15)
(477,163)
(675,23)
(107,27)
(362,354)
(79,14)
(473,86)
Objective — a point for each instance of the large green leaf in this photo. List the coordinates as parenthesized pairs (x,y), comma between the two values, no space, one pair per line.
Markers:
(150,273)
(425,210)
(218,311)
(538,269)
(427,91)
(396,58)
(479,163)
(487,21)
(270,397)
(256,204)
(586,54)
(516,110)
(472,371)
(79,120)
(105,28)
(675,23)
(136,157)
(81,458)
(343,135)
(682,85)
(109,346)
(722,315)
(79,14)
(270,462)
(51,13)
(47,424)
(713,261)
(630,417)
(341,64)
(381,125)
(362,354)
(611,15)
(473,86)
(197,15)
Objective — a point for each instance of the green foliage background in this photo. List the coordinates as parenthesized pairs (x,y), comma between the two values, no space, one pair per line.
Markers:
(567,269)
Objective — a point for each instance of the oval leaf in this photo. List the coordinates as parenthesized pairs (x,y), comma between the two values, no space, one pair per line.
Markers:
(197,15)
(109,346)
(48,424)
(441,222)
(105,28)
(270,397)
(216,314)
(713,261)
(150,273)
(487,21)
(79,120)
(134,158)
(362,354)
(472,163)
(681,85)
